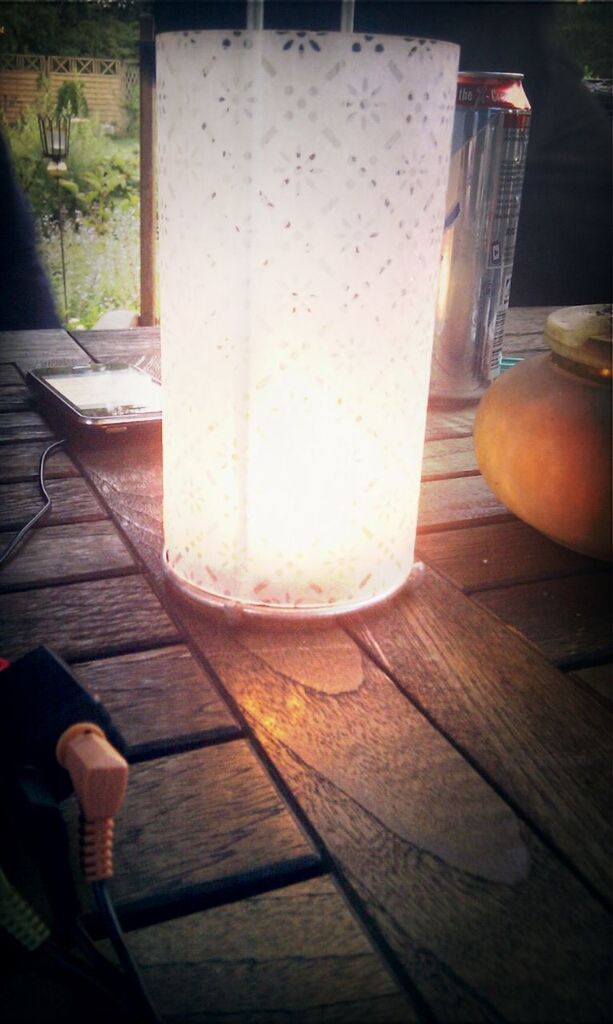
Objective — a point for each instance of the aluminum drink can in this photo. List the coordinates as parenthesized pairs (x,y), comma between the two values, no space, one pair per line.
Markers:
(490,139)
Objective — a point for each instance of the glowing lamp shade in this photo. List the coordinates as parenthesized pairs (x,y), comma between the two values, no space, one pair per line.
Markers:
(302,183)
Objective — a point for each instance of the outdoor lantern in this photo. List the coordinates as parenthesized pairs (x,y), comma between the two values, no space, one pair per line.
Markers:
(55,141)
(302,180)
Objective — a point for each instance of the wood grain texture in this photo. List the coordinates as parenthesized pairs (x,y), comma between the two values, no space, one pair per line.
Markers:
(530,730)
(72,502)
(568,619)
(28,349)
(23,426)
(483,916)
(500,553)
(158,698)
(295,954)
(20,462)
(66,554)
(199,817)
(524,331)
(120,346)
(129,479)
(458,502)
(14,397)
(456,421)
(9,374)
(527,319)
(523,346)
(453,457)
(439,861)
(83,620)
(135,500)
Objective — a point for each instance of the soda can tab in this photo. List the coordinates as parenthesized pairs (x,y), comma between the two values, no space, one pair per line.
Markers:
(490,140)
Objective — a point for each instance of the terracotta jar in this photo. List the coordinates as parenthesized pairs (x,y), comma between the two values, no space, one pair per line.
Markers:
(543,433)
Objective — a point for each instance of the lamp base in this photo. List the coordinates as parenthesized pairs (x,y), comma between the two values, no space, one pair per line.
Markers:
(236,611)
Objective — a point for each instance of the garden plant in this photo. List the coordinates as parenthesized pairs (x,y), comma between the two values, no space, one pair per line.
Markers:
(99,199)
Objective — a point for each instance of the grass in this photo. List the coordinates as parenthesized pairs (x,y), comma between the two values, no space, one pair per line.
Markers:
(102,268)
(102,256)
(97,201)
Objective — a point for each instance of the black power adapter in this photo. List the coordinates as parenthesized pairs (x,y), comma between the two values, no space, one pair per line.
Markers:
(40,699)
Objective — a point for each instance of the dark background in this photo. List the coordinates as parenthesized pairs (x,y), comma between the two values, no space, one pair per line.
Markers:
(564,244)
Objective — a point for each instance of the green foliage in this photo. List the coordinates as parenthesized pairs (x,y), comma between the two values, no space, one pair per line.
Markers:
(96,28)
(103,173)
(99,198)
(585,29)
(99,195)
(71,99)
(44,101)
(102,270)
(131,109)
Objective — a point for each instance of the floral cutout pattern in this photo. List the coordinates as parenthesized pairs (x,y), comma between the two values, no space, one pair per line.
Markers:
(302,202)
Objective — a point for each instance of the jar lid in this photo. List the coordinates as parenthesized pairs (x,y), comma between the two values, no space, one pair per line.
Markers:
(582,334)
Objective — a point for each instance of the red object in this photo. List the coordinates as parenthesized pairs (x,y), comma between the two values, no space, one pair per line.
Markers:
(499,91)
(4,664)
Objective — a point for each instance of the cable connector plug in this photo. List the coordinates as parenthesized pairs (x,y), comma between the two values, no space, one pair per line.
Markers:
(41,699)
(99,775)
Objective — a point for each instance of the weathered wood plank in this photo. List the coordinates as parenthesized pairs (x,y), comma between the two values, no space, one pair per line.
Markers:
(527,319)
(158,698)
(23,426)
(530,730)
(499,554)
(72,502)
(204,816)
(524,331)
(135,496)
(452,457)
(85,620)
(20,462)
(28,349)
(450,422)
(599,678)
(568,619)
(129,479)
(439,861)
(120,346)
(66,554)
(293,954)
(457,502)
(14,397)
(523,346)
(468,933)
(9,374)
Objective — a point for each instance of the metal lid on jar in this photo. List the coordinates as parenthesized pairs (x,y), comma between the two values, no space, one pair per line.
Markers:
(582,335)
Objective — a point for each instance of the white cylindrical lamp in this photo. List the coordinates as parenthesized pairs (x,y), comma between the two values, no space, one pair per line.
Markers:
(302,180)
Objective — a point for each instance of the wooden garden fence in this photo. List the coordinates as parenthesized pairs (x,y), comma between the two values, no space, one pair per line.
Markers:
(108,84)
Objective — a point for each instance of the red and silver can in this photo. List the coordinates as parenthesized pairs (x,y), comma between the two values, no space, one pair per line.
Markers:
(490,138)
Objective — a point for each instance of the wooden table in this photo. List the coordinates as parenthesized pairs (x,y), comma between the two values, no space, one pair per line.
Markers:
(402,816)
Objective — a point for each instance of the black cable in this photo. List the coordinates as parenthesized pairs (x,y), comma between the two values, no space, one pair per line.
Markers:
(117,938)
(107,972)
(84,975)
(98,961)
(16,541)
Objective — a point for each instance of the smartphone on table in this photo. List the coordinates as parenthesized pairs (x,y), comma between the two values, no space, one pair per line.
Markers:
(110,397)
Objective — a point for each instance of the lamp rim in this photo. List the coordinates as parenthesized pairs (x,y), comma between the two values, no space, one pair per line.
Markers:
(356,36)
(237,610)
